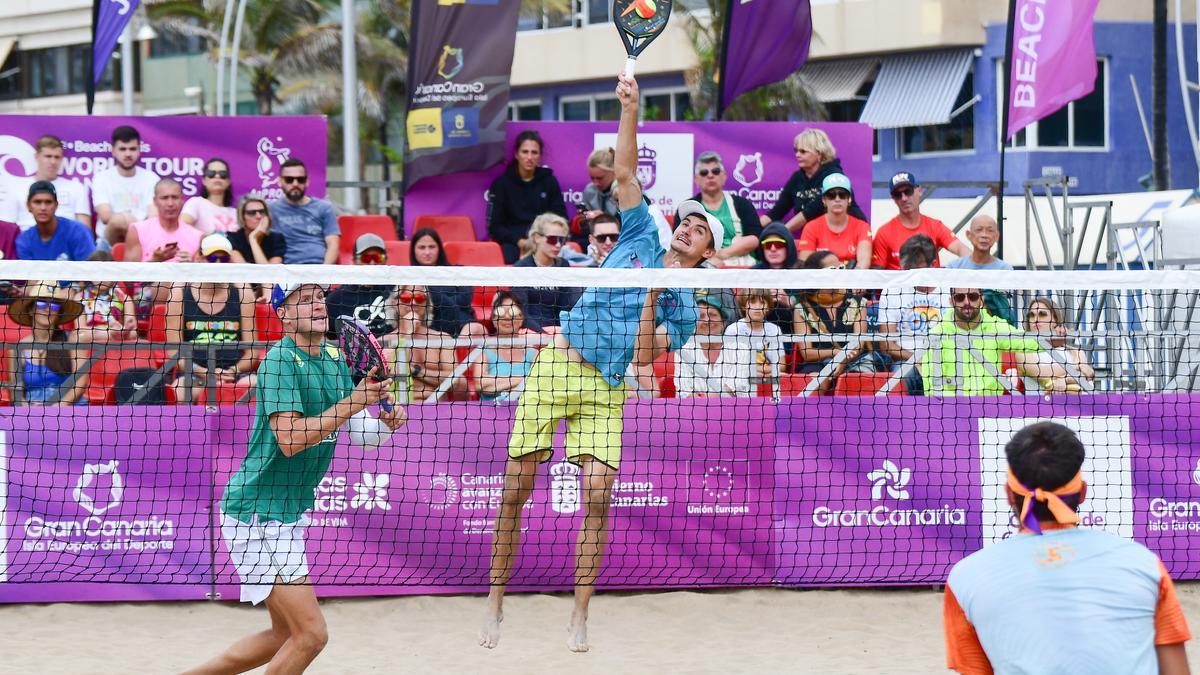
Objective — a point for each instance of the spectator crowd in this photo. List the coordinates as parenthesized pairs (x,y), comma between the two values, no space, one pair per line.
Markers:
(454,342)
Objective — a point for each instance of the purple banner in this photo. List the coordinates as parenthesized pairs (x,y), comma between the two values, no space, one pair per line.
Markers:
(758,160)
(111,19)
(765,41)
(1053,58)
(712,492)
(174,147)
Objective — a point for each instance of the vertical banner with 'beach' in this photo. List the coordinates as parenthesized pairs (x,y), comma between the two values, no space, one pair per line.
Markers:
(459,67)
(1053,58)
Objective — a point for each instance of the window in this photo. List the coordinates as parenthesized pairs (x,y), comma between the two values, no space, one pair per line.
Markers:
(607,110)
(576,111)
(545,17)
(598,11)
(525,111)
(1079,124)
(656,106)
(957,134)
(55,72)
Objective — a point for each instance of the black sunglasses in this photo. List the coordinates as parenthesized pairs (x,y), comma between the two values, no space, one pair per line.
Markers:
(703,173)
(606,238)
(294,179)
(837,194)
(209,173)
(903,192)
(972,296)
(256,212)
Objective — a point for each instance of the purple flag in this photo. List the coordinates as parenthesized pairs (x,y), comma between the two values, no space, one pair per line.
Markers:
(111,19)
(765,41)
(1053,58)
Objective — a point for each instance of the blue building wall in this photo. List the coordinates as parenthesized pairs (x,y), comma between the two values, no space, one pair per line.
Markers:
(550,95)
(1127,48)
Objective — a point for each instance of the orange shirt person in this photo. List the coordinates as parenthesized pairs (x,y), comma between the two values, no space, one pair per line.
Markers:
(837,231)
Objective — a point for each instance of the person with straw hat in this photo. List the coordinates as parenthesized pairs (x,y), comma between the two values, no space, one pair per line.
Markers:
(46,307)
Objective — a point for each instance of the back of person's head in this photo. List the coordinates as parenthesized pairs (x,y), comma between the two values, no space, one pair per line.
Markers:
(918,251)
(601,158)
(815,140)
(48,141)
(1045,456)
(125,134)
(422,233)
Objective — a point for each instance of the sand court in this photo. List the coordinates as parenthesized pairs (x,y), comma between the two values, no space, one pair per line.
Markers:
(757,630)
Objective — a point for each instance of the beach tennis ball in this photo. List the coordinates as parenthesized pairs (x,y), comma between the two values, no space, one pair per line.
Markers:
(367,432)
(645,8)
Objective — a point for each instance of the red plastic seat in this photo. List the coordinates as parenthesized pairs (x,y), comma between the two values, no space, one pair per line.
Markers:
(481,303)
(118,251)
(793,384)
(398,252)
(157,331)
(664,372)
(353,227)
(267,326)
(474,253)
(449,227)
(103,373)
(862,384)
(227,393)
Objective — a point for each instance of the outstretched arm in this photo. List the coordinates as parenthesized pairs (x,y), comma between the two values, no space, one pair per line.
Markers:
(625,163)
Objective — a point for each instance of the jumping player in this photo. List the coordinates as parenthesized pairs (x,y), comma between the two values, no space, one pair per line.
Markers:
(305,395)
(579,377)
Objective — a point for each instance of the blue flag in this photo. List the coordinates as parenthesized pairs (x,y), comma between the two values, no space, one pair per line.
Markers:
(765,41)
(111,18)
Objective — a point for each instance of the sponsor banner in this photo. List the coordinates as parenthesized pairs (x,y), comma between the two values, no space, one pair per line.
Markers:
(1053,58)
(111,18)
(459,67)
(172,147)
(758,160)
(93,504)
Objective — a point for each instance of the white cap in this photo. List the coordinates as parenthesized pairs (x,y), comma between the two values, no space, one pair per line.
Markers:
(691,207)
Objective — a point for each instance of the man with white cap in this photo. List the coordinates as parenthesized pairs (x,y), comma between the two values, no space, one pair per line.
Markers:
(305,395)
(580,377)
(366,302)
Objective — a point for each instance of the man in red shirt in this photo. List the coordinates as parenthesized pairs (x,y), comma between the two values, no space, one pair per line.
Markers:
(906,192)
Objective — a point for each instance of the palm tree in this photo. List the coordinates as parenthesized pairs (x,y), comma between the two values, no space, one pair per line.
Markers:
(776,102)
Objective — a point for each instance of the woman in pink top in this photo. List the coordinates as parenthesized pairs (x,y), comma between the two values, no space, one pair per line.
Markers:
(212,210)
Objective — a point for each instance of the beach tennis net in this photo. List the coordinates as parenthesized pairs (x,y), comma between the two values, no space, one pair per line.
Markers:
(828,427)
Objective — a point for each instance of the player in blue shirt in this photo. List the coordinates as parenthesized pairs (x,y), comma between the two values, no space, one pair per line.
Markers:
(579,377)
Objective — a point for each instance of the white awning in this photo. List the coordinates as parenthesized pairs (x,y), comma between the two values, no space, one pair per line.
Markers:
(6,45)
(915,90)
(835,81)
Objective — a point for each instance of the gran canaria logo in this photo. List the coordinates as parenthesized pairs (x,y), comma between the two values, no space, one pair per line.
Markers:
(450,63)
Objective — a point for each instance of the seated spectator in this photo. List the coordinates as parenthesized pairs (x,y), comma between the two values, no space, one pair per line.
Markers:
(837,231)
(505,366)
(950,368)
(209,313)
(777,251)
(598,197)
(735,212)
(602,238)
(369,303)
(73,200)
(753,350)
(9,231)
(308,225)
(212,210)
(124,192)
(910,313)
(452,305)
(425,366)
(46,306)
(543,303)
(163,238)
(524,191)
(802,194)
(254,241)
(109,314)
(1045,318)
(906,192)
(52,237)
(830,311)
(983,234)
(697,363)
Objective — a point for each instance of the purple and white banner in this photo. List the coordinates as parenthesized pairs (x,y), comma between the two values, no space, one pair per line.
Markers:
(758,160)
(172,147)
(1053,58)
(98,504)
(111,18)
(765,41)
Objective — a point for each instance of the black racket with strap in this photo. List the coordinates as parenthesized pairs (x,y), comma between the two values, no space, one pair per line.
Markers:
(639,22)
(362,351)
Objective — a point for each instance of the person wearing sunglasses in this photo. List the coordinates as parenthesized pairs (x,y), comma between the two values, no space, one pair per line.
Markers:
(801,195)
(952,366)
(1045,319)
(308,225)
(505,366)
(212,210)
(523,192)
(208,313)
(43,367)
(254,241)
(603,237)
(736,213)
(849,238)
(906,192)
(369,303)
(777,251)
(429,353)
(547,236)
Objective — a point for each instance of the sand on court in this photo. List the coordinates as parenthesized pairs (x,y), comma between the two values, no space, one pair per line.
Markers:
(759,631)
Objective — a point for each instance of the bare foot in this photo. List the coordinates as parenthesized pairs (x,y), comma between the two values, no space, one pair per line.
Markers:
(577,633)
(489,632)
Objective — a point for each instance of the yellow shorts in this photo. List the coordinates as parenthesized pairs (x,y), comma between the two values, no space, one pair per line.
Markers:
(558,388)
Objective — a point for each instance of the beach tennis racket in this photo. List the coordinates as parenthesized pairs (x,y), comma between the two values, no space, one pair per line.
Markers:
(638,23)
(362,351)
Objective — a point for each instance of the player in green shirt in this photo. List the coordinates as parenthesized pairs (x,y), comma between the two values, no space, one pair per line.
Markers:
(952,366)
(305,395)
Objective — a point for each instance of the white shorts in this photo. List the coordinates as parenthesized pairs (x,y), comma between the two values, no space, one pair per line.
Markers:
(265,553)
